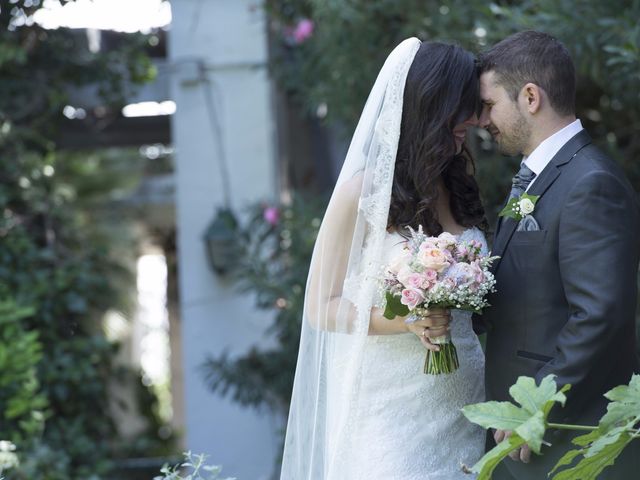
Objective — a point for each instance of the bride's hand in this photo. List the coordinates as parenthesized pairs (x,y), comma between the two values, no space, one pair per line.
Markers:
(434,324)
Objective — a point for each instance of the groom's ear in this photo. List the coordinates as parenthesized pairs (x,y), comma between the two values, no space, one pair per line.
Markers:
(531,95)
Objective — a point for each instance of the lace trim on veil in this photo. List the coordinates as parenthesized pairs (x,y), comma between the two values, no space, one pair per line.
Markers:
(361,284)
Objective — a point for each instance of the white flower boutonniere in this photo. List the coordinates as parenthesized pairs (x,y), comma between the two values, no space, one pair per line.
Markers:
(520,207)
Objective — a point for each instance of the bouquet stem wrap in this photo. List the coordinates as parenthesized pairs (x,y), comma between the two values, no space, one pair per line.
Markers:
(443,361)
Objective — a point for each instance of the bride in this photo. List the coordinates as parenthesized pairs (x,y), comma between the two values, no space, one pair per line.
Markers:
(361,407)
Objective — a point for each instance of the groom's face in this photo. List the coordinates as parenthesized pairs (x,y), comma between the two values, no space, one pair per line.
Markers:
(502,117)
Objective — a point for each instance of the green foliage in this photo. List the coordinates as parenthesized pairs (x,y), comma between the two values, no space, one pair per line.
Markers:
(198,469)
(50,261)
(615,431)
(22,405)
(61,243)
(528,421)
(597,449)
(275,267)
(394,307)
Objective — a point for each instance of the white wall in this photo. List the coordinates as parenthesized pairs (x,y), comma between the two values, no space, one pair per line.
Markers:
(229,36)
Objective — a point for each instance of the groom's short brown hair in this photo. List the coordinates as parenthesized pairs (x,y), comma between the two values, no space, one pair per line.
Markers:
(538,58)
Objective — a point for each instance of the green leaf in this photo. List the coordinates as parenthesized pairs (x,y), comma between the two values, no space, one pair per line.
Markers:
(528,422)
(605,440)
(394,307)
(626,393)
(507,211)
(584,440)
(624,405)
(534,398)
(498,415)
(567,459)
(532,431)
(488,463)
(590,467)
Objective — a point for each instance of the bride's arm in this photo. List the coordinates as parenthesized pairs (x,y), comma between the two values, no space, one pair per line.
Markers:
(326,307)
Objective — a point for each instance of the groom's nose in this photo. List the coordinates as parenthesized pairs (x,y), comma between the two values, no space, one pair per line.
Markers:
(484,121)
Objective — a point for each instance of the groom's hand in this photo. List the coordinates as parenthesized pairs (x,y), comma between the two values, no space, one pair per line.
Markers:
(522,454)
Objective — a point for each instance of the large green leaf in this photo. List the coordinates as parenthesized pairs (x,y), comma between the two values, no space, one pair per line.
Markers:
(533,430)
(625,404)
(535,398)
(527,421)
(590,466)
(488,463)
(600,448)
(498,415)
(568,457)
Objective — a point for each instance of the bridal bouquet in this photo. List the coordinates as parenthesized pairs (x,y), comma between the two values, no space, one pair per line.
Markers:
(437,272)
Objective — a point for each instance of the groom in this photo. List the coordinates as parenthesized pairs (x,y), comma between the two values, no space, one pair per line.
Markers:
(566,280)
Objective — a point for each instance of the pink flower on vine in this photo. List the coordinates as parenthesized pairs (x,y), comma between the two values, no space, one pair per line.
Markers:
(303,30)
(271,215)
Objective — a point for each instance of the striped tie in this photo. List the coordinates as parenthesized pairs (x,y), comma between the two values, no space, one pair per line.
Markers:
(521,181)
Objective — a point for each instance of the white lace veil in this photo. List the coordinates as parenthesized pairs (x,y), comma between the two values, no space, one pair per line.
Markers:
(343,283)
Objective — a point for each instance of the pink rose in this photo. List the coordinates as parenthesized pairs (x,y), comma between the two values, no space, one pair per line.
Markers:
(431,275)
(271,215)
(418,280)
(411,297)
(303,30)
(434,259)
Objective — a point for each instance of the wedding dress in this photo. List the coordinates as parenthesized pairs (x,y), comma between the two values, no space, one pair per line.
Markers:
(362,408)
(410,424)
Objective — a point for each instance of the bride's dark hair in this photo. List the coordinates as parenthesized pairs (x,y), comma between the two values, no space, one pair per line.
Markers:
(441,91)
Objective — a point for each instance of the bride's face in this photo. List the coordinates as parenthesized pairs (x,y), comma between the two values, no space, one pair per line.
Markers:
(460,130)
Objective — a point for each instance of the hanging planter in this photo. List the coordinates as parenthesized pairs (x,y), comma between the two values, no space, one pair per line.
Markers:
(221,237)
(221,240)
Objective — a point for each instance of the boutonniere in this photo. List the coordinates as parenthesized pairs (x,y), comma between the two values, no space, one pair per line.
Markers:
(520,207)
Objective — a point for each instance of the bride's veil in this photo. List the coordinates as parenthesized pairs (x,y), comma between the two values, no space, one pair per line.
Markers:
(343,286)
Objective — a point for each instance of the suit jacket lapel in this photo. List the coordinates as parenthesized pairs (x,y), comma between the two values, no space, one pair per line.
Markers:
(542,183)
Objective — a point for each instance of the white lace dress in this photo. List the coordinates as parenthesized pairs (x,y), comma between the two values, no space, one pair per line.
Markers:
(409,424)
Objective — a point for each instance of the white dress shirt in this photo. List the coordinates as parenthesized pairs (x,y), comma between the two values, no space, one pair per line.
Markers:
(544,152)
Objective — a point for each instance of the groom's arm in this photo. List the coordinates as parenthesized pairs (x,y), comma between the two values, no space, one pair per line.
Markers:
(598,243)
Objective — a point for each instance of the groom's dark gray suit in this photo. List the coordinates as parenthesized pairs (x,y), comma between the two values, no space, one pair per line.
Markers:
(566,296)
